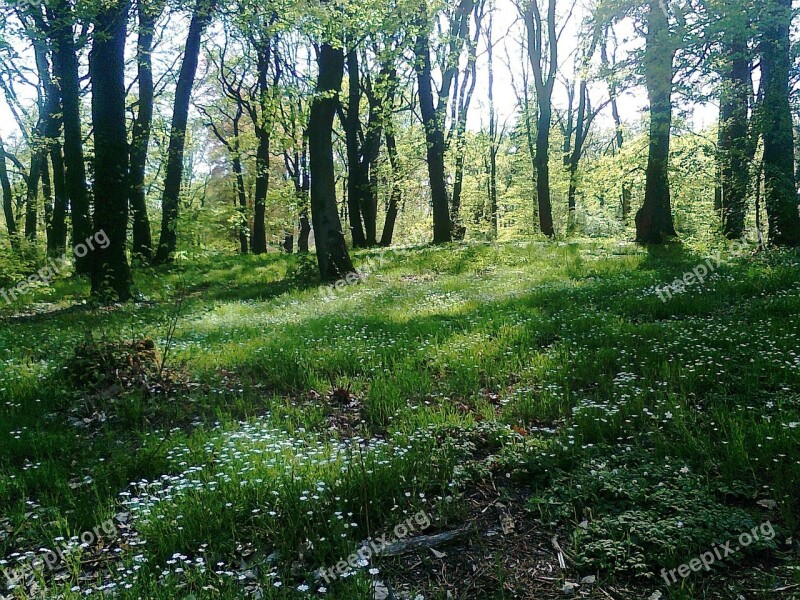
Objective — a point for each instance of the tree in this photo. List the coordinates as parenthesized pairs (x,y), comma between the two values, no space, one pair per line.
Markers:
(543,56)
(111,278)
(148,13)
(170,201)
(8,198)
(60,29)
(609,66)
(434,127)
(654,222)
(780,189)
(332,255)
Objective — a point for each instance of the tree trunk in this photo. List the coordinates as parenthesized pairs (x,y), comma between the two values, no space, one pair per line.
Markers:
(613,94)
(352,127)
(780,190)
(111,277)
(8,200)
(142,125)
(332,256)
(582,124)
(493,141)
(50,125)
(258,242)
(654,222)
(32,196)
(396,191)
(241,193)
(177,138)
(542,162)
(65,68)
(734,126)
(544,81)
(434,137)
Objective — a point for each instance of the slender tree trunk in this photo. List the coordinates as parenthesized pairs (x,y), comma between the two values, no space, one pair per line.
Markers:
(654,222)
(542,162)
(177,139)
(613,92)
(780,190)
(735,99)
(111,277)
(65,68)
(396,191)
(544,81)
(53,185)
(434,137)
(332,256)
(258,242)
(352,126)
(581,131)
(493,141)
(32,196)
(142,125)
(8,199)
(241,193)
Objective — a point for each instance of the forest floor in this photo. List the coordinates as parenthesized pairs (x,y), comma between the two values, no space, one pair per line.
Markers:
(514,421)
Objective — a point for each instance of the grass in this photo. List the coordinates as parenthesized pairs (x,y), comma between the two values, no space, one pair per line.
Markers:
(304,420)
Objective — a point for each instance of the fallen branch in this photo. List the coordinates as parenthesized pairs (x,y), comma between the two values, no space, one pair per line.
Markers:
(422,541)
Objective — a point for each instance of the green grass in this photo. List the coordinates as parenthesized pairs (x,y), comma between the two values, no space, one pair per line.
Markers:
(643,431)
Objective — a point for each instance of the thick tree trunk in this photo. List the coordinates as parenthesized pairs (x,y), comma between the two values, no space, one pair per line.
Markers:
(332,256)
(111,277)
(177,138)
(8,200)
(654,222)
(434,137)
(142,125)
(779,175)
(734,126)
(65,68)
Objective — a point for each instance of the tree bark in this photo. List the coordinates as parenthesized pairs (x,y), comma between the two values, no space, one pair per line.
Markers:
(263,129)
(111,277)
(654,222)
(544,81)
(8,199)
(352,127)
(177,139)
(396,191)
(434,134)
(148,14)
(780,190)
(734,138)
(65,68)
(332,256)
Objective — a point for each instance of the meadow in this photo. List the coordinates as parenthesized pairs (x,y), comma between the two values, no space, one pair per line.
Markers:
(240,430)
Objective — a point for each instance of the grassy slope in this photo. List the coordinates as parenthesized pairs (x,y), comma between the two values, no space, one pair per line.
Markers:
(643,431)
